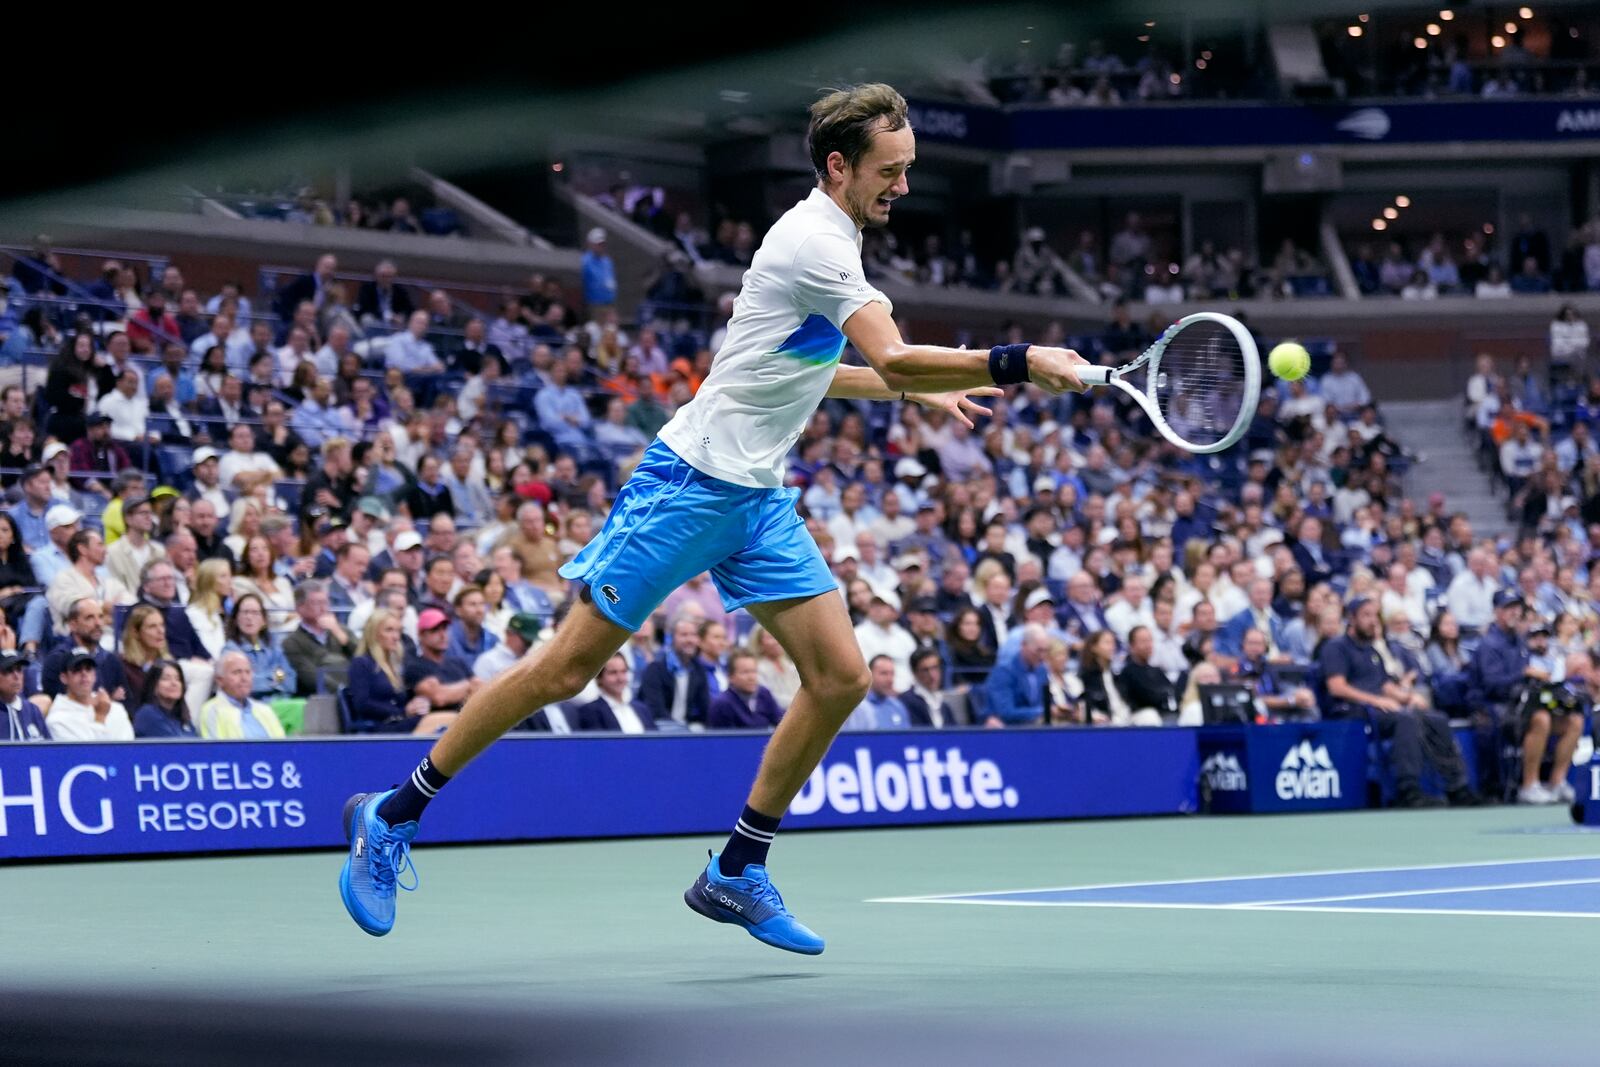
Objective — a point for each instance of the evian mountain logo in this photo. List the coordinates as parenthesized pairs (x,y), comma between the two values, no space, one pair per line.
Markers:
(1584,120)
(1222,773)
(1307,774)
(1369,124)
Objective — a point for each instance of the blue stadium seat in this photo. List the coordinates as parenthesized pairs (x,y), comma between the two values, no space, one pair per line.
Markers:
(347,719)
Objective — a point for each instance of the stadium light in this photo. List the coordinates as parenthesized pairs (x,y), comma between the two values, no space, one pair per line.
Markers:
(1446,15)
(1525,12)
(1150,25)
(1175,79)
(1390,213)
(1355,31)
(1488,227)
(1511,27)
(1206,55)
(558,167)
(1497,41)
(1402,201)
(1144,38)
(1362,18)
(1433,29)
(1199,64)
(1379,224)
(1421,42)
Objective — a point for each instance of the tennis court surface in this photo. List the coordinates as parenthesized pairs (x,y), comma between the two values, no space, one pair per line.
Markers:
(1373,937)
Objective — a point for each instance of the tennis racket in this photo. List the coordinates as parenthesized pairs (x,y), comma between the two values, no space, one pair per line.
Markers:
(1199,382)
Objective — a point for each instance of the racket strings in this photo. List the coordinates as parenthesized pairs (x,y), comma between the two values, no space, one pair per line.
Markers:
(1200,383)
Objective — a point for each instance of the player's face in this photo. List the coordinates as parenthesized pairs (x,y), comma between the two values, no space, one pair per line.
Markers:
(880,177)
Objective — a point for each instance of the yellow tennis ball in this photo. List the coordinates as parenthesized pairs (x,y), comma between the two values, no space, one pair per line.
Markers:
(1289,361)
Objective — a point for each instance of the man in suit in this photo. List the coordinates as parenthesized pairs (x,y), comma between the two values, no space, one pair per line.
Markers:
(1082,614)
(745,704)
(219,414)
(612,711)
(1017,690)
(675,686)
(1144,686)
(319,646)
(994,609)
(1309,555)
(158,586)
(1258,616)
(381,302)
(924,701)
(312,287)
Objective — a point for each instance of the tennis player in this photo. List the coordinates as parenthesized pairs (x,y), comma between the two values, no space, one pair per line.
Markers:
(709,496)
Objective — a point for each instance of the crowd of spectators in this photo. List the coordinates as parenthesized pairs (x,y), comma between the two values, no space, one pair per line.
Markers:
(1384,59)
(1470,266)
(1138,67)
(409,212)
(345,522)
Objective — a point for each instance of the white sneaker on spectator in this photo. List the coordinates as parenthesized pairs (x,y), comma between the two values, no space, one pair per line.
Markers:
(1535,794)
(1563,793)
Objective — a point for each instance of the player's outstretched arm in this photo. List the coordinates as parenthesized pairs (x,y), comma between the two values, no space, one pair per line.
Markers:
(907,368)
(864,383)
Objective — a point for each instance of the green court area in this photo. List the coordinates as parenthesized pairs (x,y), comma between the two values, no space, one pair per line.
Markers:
(1503,970)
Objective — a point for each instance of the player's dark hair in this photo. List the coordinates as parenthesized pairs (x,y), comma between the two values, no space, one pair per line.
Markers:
(846,120)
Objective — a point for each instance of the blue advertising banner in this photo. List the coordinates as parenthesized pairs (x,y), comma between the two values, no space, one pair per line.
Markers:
(174,797)
(1318,766)
(1212,125)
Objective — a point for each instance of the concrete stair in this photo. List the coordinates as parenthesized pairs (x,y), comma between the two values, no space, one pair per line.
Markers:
(1432,429)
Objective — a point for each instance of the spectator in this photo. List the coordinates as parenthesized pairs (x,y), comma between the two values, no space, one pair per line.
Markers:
(521,633)
(83,712)
(469,638)
(1131,608)
(745,704)
(1492,285)
(381,303)
(259,576)
(972,653)
(882,635)
(433,673)
(232,715)
(97,452)
(23,719)
(675,686)
(81,579)
(880,709)
(612,711)
(163,706)
(1569,343)
(1257,672)
(775,671)
(1360,686)
(409,352)
(1531,279)
(273,678)
(1017,689)
(1553,709)
(563,413)
(599,274)
(127,408)
(1520,457)
(1148,689)
(1343,387)
(924,701)
(1260,616)
(85,629)
(319,649)
(347,586)
(376,694)
(208,605)
(126,559)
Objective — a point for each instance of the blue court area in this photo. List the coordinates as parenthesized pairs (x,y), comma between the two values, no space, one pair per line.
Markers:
(1567,887)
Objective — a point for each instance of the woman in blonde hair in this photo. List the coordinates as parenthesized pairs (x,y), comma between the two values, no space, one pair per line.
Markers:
(209,602)
(773,666)
(244,522)
(144,641)
(377,691)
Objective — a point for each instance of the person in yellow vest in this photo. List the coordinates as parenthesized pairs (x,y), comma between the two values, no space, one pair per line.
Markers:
(231,715)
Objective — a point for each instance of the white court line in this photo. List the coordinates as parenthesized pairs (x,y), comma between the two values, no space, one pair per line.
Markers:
(1329,909)
(941,897)
(1426,892)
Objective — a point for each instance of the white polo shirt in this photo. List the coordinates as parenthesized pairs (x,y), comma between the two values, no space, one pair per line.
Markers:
(783,343)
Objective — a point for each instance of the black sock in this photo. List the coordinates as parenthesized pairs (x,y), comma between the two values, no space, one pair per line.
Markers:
(407,802)
(751,837)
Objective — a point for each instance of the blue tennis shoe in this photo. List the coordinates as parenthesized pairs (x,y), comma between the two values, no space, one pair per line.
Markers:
(753,902)
(380,855)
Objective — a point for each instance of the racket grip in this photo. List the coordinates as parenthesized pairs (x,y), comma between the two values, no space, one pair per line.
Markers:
(1094,375)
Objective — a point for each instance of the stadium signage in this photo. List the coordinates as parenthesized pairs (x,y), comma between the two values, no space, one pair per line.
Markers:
(180,797)
(1287,767)
(1586,120)
(1223,774)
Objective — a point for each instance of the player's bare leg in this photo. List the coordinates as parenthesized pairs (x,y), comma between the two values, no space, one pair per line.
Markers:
(555,671)
(817,635)
(734,887)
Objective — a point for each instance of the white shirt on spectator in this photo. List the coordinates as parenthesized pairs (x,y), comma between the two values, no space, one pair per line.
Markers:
(236,463)
(1471,599)
(1344,391)
(1520,459)
(1486,289)
(72,721)
(128,414)
(892,641)
(1122,617)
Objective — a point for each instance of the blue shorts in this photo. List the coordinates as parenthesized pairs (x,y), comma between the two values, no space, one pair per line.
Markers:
(671,522)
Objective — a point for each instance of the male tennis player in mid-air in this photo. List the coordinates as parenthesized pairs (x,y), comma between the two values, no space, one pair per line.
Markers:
(710,496)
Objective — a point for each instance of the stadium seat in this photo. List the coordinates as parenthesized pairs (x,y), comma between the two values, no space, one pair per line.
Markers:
(322,716)
(347,719)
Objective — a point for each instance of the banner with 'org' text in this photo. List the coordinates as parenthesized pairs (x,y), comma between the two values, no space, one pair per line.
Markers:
(60,800)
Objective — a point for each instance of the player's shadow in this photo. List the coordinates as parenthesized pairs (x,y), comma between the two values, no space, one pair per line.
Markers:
(785,976)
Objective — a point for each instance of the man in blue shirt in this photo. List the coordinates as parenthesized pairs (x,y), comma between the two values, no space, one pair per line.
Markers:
(20,719)
(1017,689)
(409,353)
(563,414)
(881,709)
(599,273)
(29,512)
(1360,686)
(1495,677)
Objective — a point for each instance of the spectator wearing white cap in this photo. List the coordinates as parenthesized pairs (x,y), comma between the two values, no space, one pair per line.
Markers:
(880,634)
(51,559)
(599,273)
(57,459)
(206,463)
(1038,610)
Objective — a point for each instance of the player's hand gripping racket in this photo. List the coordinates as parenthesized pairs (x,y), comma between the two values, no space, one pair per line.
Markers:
(1199,382)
